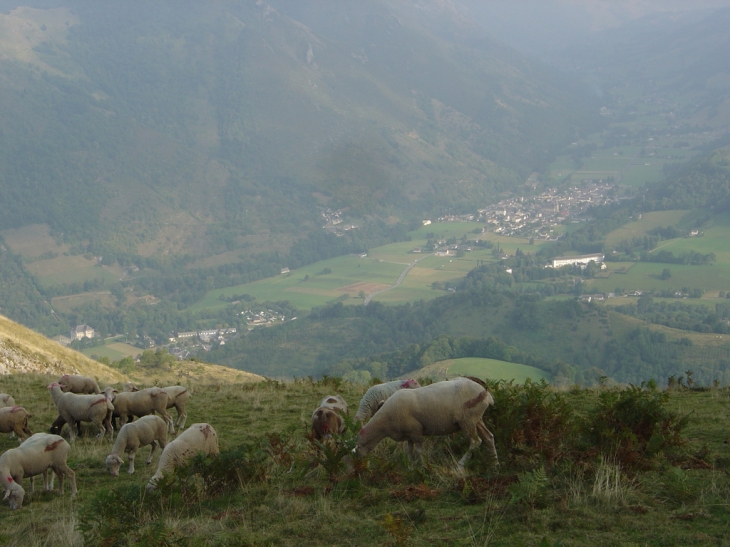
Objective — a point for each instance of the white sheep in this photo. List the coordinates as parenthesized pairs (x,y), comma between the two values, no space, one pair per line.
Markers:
(327,418)
(198,438)
(14,419)
(82,408)
(128,404)
(177,397)
(78,384)
(150,430)
(6,400)
(36,455)
(375,396)
(438,409)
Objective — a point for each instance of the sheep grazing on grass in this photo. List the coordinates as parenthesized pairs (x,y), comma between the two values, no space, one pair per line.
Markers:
(14,419)
(177,397)
(139,403)
(150,430)
(36,455)
(82,408)
(78,384)
(327,418)
(198,438)
(438,409)
(375,396)
(6,400)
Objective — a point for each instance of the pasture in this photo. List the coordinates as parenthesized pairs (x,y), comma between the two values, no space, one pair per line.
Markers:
(286,490)
(647,222)
(115,351)
(491,369)
(345,278)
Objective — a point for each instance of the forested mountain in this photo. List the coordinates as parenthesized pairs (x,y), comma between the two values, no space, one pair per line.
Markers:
(125,122)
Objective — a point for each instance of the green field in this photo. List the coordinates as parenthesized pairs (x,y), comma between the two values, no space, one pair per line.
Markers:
(350,276)
(115,351)
(491,369)
(648,221)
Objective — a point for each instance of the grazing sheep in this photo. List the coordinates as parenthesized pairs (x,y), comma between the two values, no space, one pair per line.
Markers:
(178,398)
(14,419)
(327,418)
(139,403)
(147,430)
(78,384)
(439,409)
(374,396)
(36,455)
(83,408)
(195,439)
(6,400)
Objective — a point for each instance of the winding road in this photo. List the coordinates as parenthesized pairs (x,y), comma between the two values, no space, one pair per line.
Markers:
(398,281)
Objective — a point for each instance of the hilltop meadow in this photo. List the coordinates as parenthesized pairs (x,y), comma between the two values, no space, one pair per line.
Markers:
(610,466)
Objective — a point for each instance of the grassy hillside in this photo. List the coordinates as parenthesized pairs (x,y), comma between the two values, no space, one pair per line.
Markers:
(491,369)
(271,485)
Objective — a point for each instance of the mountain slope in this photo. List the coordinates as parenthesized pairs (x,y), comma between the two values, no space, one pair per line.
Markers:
(227,120)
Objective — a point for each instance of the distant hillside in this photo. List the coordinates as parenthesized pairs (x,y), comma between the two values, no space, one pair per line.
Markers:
(23,350)
(172,128)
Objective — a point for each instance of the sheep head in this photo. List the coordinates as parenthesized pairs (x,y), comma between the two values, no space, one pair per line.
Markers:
(14,493)
(114,462)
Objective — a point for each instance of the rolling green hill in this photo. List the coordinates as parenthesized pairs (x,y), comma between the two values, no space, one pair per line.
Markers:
(491,369)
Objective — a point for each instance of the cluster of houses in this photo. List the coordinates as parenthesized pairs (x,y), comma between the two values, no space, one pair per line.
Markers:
(333,222)
(263,318)
(534,216)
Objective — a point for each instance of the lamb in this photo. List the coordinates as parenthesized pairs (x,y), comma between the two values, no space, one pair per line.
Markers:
(147,430)
(195,439)
(84,408)
(6,400)
(139,403)
(178,398)
(14,419)
(36,455)
(327,418)
(78,384)
(374,397)
(438,409)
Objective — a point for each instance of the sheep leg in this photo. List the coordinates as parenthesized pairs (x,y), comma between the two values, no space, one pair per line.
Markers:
(413,449)
(488,439)
(63,470)
(474,442)
(152,451)
(168,421)
(48,479)
(32,484)
(131,460)
(182,416)
(102,429)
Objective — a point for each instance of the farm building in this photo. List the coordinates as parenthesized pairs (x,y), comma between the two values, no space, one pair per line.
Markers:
(581,260)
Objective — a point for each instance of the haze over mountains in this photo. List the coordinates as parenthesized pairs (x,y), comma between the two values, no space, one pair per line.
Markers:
(151,153)
(120,119)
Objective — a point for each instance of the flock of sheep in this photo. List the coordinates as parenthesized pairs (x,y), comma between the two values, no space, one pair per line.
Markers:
(401,410)
(79,399)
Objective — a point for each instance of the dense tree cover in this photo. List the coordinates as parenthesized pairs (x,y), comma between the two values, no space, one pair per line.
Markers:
(679,315)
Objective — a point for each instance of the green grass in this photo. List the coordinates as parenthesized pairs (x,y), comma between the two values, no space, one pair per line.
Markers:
(309,286)
(679,500)
(491,369)
(648,221)
(115,351)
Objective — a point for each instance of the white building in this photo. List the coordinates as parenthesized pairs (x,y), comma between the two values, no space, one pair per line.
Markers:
(582,260)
